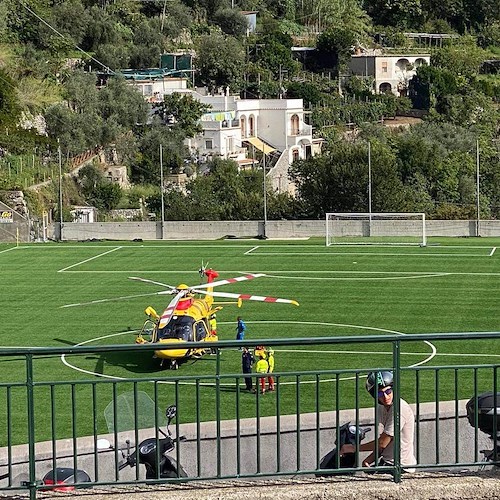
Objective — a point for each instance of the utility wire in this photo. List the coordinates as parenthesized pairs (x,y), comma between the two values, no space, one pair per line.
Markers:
(66,38)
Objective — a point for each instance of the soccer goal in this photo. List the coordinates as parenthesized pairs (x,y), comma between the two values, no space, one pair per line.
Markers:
(375,228)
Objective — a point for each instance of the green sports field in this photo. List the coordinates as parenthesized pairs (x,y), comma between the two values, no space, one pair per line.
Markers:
(72,293)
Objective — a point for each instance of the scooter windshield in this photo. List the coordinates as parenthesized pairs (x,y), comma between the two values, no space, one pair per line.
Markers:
(179,327)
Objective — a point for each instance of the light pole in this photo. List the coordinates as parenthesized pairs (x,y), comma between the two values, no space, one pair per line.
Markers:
(60,191)
(162,189)
(369,188)
(265,189)
(477,184)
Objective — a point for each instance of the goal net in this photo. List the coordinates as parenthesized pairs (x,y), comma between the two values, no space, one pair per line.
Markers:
(375,228)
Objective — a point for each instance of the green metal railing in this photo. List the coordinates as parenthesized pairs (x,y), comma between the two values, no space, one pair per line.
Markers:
(267,437)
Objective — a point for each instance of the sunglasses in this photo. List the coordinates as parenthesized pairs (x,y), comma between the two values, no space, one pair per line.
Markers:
(387,392)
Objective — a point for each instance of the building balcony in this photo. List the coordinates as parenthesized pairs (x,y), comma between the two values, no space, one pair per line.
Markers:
(306,130)
(219,125)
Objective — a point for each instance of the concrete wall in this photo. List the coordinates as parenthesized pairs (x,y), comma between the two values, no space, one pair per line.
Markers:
(18,229)
(293,457)
(210,230)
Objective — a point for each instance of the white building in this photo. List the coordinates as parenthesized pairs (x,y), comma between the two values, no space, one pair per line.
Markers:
(238,128)
(391,72)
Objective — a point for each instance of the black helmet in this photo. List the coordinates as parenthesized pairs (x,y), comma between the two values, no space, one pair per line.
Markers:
(380,379)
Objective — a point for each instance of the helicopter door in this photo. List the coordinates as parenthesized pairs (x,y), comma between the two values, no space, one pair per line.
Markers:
(200,330)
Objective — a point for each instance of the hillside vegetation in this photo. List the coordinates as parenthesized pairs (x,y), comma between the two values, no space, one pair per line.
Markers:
(51,109)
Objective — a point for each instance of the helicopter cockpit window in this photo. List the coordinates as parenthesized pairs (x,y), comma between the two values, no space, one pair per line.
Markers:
(179,327)
(201,330)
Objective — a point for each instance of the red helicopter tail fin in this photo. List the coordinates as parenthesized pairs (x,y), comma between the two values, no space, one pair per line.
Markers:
(211,275)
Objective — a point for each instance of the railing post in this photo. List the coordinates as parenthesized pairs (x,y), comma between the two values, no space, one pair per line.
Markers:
(32,483)
(396,360)
(217,412)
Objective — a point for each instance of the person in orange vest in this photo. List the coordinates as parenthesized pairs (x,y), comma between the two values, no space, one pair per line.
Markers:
(261,367)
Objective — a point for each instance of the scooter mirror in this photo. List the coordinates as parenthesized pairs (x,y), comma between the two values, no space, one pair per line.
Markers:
(103,444)
(171,412)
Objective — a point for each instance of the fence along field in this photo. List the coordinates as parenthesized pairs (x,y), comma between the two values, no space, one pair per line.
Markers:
(66,294)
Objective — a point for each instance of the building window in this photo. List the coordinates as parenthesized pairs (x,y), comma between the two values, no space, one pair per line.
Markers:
(148,90)
(251,123)
(295,155)
(209,144)
(384,67)
(243,126)
(403,64)
(295,125)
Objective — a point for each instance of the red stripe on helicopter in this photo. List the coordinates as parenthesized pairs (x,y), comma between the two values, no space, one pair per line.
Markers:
(168,312)
(256,297)
(241,278)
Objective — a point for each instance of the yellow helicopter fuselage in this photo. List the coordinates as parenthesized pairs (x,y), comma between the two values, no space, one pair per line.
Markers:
(190,322)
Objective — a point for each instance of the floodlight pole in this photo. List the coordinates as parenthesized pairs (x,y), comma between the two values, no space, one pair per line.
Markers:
(265,189)
(477,183)
(369,188)
(162,188)
(60,191)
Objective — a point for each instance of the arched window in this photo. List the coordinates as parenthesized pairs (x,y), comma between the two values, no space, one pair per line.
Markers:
(385,88)
(243,126)
(295,125)
(251,125)
(419,62)
(402,64)
(295,154)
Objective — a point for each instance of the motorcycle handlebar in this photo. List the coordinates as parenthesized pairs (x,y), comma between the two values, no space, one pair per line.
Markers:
(123,465)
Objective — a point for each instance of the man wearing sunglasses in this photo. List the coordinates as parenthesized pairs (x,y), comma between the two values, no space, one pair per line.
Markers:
(383,382)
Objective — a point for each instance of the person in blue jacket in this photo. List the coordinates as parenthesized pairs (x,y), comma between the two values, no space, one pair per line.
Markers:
(240,329)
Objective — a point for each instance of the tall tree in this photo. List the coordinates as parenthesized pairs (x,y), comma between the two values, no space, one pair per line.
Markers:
(220,61)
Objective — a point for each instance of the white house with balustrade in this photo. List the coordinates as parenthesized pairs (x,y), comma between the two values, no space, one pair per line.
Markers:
(391,72)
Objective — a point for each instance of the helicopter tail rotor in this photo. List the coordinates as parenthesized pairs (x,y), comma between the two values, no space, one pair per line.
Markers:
(203,269)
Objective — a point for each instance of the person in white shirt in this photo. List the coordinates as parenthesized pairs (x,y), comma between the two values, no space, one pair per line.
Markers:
(383,382)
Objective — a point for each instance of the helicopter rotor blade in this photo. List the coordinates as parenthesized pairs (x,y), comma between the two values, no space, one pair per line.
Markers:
(228,281)
(144,280)
(169,311)
(244,296)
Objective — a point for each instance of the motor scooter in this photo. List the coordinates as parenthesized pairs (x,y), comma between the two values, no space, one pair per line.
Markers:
(348,434)
(146,453)
(488,421)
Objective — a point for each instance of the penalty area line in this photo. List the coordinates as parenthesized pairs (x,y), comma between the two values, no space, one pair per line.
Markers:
(8,249)
(88,260)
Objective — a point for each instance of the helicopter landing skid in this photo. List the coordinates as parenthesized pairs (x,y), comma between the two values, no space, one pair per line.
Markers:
(170,365)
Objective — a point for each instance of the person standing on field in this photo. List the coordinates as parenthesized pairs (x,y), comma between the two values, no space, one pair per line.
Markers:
(262,367)
(270,362)
(240,329)
(247,361)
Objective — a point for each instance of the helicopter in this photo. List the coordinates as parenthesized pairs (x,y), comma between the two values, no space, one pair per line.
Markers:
(187,318)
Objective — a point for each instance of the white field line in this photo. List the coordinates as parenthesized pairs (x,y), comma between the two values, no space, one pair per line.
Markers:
(113,299)
(88,260)
(493,251)
(8,249)
(251,250)
(351,278)
(270,275)
(171,245)
(371,254)
(89,372)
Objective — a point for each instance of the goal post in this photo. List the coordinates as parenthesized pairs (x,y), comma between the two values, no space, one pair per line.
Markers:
(376,228)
